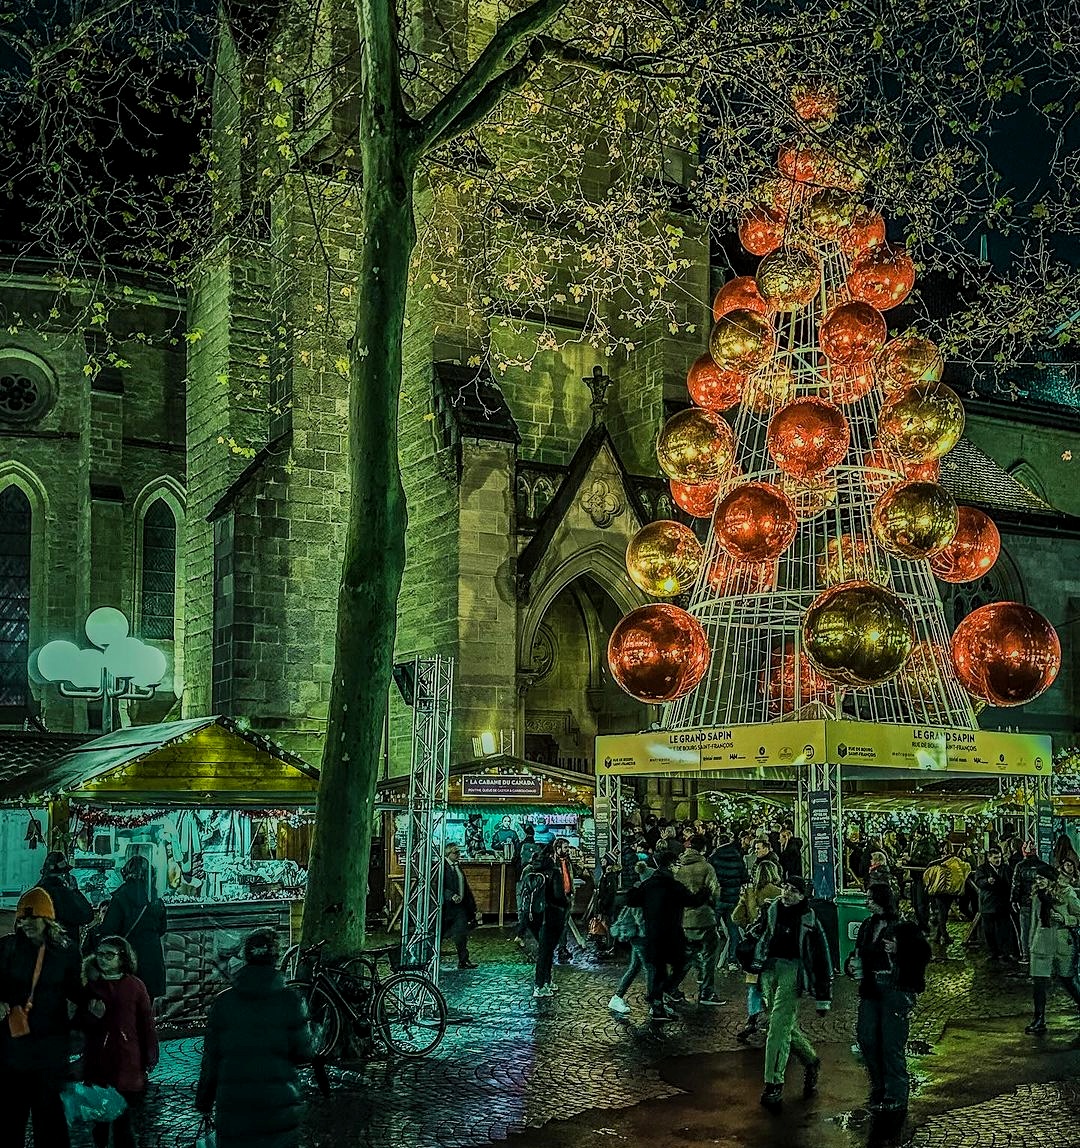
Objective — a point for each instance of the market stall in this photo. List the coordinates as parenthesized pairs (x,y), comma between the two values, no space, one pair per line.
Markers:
(490,801)
(223,817)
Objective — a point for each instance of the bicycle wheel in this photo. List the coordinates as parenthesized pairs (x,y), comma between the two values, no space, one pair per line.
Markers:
(324,1016)
(409,1014)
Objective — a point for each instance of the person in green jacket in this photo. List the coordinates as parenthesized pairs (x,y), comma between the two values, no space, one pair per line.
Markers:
(257,1036)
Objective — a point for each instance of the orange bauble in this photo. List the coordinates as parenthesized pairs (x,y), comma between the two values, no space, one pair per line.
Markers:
(803,163)
(973,551)
(815,104)
(883,469)
(1006,653)
(807,437)
(761,230)
(755,522)
(882,277)
(849,384)
(852,333)
(741,292)
(735,579)
(778,682)
(865,232)
(711,387)
(698,501)
(927,471)
(658,653)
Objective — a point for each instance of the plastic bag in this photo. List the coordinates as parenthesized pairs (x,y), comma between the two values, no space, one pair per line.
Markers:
(206,1137)
(92,1103)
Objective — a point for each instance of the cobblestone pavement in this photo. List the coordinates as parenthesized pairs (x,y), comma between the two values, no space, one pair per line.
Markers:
(518,1064)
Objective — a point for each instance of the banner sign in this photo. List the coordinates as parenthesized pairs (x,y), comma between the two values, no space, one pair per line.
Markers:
(822,843)
(1044,828)
(843,743)
(501,785)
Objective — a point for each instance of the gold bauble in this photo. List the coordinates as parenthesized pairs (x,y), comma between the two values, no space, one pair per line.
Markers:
(922,422)
(915,519)
(857,634)
(742,341)
(663,558)
(789,278)
(910,359)
(829,212)
(695,446)
(852,558)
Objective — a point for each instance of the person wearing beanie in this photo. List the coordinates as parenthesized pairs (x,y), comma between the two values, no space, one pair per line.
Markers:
(39,977)
(257,1036)
(889,962)
(73,910)
(793,956)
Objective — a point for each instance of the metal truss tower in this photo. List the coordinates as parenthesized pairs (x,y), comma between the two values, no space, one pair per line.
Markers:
(421,922)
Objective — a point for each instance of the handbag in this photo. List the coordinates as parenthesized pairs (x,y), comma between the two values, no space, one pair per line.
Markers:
(18,1017)
(597,927)
(206,1136)
(91,1103)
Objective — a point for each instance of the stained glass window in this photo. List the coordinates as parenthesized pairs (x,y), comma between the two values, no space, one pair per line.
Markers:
(15,532)
(158,572)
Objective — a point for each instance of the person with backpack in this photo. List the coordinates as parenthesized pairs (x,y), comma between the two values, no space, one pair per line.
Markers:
(73,910)
(729,865)
(793,956)
(752,901)
(140,920)
(558,901)
(629,927)
(530,900)
(944,881)
(699,923)
(122,1043)
(889,963)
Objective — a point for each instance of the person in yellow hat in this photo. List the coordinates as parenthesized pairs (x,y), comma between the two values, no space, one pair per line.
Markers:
(39,975)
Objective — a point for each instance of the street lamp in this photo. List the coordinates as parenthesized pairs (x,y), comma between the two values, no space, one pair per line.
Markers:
(116,667)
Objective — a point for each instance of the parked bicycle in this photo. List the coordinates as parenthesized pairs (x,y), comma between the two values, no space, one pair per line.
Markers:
(405,1011)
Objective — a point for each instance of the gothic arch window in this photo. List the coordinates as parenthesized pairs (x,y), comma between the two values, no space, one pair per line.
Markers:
(157,575)
(1028,476)
(1002,584)
(16,532)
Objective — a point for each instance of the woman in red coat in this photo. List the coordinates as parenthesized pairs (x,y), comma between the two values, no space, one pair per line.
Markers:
(121,1045)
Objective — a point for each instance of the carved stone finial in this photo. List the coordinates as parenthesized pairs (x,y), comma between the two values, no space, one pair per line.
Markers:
(598,383)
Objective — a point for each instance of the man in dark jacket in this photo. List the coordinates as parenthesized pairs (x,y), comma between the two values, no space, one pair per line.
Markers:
(730,868)
(558,901)
(793,956)
(1023,888)
(257,1036)
(662,900)
(73,910)
(889,961)
(790,853)
(140,920)
(458,906)
(924,851)
(994,883)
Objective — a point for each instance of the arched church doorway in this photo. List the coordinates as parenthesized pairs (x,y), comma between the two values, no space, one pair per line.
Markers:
(570,696)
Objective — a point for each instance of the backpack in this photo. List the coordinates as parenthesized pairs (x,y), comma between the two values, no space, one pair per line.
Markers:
(531,893)
(956,875)
(628,926)
(935,879)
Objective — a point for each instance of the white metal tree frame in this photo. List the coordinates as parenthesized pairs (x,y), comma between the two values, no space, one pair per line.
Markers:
(421,922)
(749,633)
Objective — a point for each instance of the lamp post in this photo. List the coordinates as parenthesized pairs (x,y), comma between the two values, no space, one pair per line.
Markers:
(115,667)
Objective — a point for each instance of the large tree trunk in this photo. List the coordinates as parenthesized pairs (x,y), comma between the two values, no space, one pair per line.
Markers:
(374,556)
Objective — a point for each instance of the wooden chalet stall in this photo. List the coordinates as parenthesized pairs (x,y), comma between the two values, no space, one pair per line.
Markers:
(490,800)
(223,816)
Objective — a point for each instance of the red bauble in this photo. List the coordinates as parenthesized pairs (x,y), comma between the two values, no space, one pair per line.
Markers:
(1006,653)
(882,277)
(658,653)
(778,682)
(697,501)
(738,293)
(761,230)
(864,233)
(712,388)
(973,551)
(755,522)
(852,334)
(734,579)
(807,436)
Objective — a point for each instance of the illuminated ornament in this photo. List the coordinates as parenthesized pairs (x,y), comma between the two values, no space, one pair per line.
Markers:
(778,682)
(738,293)
(829,212)
(663,558)
(755,522)
(807,436)
(711,387)
(809,498)
(761,230)
(882,470)
(789,278)
(695,446)
(658,653)
(769,389)
(921,422)
(925,672)
(857,634)
(803,163)
(972,552)
(865,232)
(910,359)
(730,578)
(815,104)
(852,334)
(849,384)
(915,519)
(882,277)
(851,558)
(1005,653)
(927,471)
(742,341)
(697,501)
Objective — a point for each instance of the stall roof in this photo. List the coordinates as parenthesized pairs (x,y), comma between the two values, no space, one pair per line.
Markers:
(198,761)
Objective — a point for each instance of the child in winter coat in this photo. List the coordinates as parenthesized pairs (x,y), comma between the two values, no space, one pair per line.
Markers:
(121,1045)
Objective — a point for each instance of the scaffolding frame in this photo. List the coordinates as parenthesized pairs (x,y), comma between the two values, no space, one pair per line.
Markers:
(429,777)
(607,818)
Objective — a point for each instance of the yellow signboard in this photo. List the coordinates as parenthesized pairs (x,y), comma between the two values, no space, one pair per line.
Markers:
(843,743)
